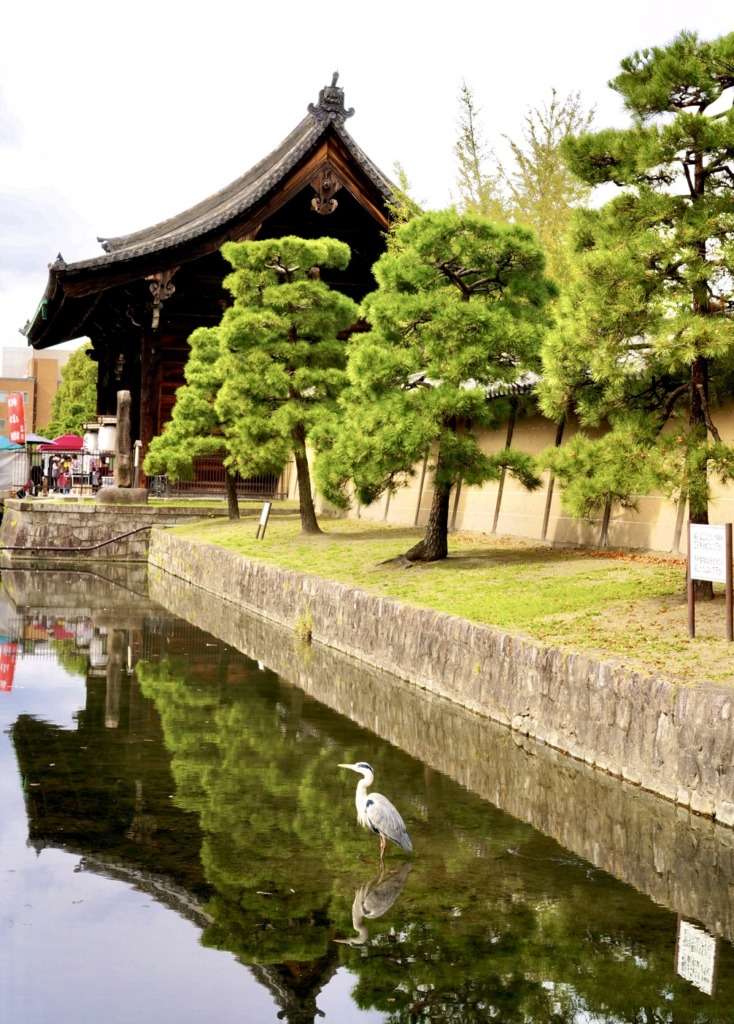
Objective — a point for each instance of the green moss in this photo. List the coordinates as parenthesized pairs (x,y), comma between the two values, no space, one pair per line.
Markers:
(304,627)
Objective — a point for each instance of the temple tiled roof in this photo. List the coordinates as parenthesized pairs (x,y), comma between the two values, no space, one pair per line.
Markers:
(203,225)
(239,196)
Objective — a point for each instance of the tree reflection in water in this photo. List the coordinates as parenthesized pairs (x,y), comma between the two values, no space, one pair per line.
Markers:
(253,839)
(497,921)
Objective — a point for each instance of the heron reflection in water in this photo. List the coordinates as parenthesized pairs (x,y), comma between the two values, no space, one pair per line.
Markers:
(375,812)
(373,899)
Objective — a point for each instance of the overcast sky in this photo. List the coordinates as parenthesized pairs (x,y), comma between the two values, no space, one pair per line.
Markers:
(117,115)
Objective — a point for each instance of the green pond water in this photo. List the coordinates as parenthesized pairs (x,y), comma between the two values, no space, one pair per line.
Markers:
(178,844)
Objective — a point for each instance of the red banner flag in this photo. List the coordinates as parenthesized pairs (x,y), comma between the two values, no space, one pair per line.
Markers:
(8,654)
(16,417)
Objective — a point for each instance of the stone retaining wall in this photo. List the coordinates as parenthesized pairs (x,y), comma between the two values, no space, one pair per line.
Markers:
(40,525)
(680,860)
(673,740)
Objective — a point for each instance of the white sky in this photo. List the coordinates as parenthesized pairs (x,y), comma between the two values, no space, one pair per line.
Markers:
(116,115)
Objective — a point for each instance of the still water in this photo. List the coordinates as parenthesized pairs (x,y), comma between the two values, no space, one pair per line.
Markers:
(177,842)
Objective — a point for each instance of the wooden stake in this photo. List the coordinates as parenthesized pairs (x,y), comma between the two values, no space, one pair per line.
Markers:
(503,473)
(551,480)
(729,588)
(420,490)
(691,592)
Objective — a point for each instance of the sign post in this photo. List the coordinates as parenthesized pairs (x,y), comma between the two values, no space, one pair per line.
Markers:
(264,516)
(16,417)
(710,558)
(137,448)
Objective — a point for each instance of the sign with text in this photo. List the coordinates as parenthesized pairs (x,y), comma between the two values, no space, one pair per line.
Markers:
(710,561)
(16,417)
(695,956)
(708,553)
(264,516)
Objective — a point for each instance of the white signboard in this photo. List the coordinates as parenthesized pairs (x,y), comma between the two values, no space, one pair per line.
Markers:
(266,512)
(696,956)
(708,553)
(260,533)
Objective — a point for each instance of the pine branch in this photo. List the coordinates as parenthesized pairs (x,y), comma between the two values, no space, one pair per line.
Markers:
(707,412)
(671,402)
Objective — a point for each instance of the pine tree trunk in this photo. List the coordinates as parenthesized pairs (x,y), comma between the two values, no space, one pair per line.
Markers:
(309,523)
(698,510)
(233,508)
(606,518)
(435,545)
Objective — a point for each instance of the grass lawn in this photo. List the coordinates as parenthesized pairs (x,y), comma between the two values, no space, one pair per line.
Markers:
(628,606)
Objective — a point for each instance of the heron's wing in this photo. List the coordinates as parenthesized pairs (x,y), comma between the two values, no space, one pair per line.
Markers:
(385,819)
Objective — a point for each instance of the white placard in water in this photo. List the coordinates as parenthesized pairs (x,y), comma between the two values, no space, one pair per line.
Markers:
(696,956)
(707,557)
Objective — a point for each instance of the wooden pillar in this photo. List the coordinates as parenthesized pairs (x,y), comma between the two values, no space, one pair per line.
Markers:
(508,443)
(150,382)
(104,355)
(680,515)
(388,495)
(420,489)
(551,481)
(457,494)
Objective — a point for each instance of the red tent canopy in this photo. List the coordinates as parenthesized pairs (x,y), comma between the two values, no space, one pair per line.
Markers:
(65,443)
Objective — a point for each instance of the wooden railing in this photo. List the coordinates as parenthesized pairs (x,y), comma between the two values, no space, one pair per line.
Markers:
(209,477)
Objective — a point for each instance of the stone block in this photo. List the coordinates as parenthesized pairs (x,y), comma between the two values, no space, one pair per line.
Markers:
(122,496)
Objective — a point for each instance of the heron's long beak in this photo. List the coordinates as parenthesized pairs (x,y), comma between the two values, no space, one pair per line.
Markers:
(352,766)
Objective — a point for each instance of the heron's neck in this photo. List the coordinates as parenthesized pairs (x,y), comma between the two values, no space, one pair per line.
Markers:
(362,788)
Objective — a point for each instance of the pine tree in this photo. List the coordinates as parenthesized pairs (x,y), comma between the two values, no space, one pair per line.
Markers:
(645,335)
(281,356)
(460,304)
(75,402)
(195,429)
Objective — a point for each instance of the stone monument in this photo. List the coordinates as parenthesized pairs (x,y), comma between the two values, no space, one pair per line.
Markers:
(123,491)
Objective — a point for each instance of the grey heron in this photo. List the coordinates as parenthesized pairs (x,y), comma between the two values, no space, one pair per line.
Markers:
(375,812)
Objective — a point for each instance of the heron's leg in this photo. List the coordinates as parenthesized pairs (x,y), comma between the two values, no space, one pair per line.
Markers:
(383,844)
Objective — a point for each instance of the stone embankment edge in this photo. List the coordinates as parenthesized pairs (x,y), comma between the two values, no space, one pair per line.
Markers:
(675,741)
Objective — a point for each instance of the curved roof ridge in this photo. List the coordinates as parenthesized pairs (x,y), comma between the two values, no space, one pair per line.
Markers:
(308,129)
(242,193)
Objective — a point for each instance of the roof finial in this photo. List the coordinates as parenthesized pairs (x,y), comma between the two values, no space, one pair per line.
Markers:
(330,106)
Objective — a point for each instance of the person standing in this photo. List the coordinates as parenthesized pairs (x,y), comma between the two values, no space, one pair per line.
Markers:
(36,478)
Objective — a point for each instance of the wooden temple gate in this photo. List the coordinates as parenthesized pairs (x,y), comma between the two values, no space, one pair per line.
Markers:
(140,300)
